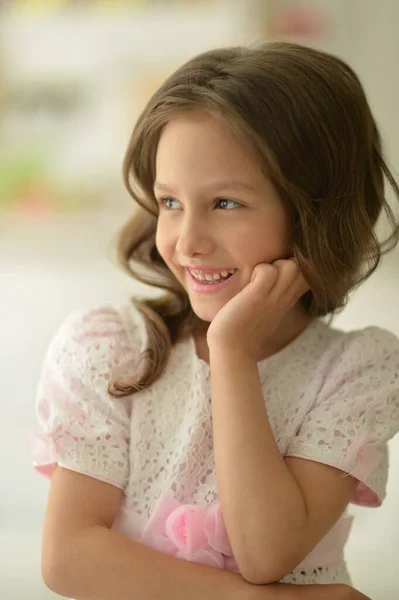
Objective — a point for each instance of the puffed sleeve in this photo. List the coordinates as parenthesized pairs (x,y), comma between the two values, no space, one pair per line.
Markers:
(356,413)
(82,427)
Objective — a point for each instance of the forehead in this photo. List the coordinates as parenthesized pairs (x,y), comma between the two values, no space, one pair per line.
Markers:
(202,142)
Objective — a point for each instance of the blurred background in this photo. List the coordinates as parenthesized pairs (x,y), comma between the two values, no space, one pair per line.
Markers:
(74,76)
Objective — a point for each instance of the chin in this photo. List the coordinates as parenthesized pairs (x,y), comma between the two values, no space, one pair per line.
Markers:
(205,313)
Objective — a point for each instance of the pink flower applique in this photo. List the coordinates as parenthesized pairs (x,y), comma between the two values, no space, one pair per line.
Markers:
(190,532)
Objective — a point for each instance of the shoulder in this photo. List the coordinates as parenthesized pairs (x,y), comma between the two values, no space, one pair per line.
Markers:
(363,375)
(336,349)
(107,320)
(372,348)
(374,338)
(357,368)
(99,339)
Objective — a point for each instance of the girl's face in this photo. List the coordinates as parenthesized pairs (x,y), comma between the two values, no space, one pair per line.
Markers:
(217,210)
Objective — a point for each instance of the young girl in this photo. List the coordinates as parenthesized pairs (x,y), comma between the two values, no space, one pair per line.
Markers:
(225,423)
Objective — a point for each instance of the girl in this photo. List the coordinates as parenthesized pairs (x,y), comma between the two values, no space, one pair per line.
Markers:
(225,423)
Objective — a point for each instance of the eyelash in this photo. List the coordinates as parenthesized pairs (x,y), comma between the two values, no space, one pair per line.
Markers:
(162,201)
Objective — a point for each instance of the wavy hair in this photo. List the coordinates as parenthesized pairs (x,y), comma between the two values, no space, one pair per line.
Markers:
(307,117)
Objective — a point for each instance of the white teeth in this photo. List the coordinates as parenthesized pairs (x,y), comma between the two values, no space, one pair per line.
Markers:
(201,276)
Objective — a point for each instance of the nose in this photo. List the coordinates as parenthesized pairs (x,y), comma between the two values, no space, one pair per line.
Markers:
(194,237)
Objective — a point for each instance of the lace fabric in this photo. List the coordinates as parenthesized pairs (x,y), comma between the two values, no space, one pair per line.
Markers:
(332,574)
(331,397)
(84,429)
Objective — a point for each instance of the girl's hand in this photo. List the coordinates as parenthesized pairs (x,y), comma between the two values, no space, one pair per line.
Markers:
(256,312)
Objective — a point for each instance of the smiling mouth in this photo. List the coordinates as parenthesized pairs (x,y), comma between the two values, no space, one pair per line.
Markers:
(206,277)
(206,286)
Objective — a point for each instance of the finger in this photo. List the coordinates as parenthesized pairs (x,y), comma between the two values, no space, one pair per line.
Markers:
(299,287)
(291,285)
(266,273)
(282,261)
(288,272)
(287,265)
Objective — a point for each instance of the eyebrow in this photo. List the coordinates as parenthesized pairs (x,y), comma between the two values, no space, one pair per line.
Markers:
(221,185)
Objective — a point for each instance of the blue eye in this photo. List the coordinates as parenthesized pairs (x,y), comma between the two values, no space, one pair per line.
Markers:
(227,200)
(165,201)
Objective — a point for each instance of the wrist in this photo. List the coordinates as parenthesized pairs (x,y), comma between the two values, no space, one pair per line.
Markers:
(232,353)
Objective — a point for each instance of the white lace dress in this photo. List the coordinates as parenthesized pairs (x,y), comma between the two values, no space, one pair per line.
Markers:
(331,397)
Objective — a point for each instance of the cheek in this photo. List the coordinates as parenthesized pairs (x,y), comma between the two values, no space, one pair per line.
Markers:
(166,245)
(267,240)
(161,241)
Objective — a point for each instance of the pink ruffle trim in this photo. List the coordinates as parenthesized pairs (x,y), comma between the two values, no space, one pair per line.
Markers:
(43,452)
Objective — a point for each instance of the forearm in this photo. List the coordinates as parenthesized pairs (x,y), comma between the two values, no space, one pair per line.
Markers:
(105,565)
(101,564)
(262,505)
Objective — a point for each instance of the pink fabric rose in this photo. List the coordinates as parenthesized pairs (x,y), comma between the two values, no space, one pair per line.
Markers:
(190,532)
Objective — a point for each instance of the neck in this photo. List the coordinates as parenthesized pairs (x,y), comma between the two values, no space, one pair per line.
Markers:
(294,323)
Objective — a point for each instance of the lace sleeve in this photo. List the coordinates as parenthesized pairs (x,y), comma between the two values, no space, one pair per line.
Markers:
(83,428)
(356,413)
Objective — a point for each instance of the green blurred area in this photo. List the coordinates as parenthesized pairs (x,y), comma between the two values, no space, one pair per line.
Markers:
(70,90)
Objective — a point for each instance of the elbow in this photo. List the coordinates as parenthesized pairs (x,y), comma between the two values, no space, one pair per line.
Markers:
(55,572)
(263,576)
(59,579)
(269,562)
(51,578)
(48,569)
(269,570)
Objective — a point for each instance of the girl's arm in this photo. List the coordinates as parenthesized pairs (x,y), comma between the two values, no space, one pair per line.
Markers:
(84,559)
(275,510)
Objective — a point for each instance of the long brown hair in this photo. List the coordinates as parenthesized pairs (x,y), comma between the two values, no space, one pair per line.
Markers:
(307,117)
